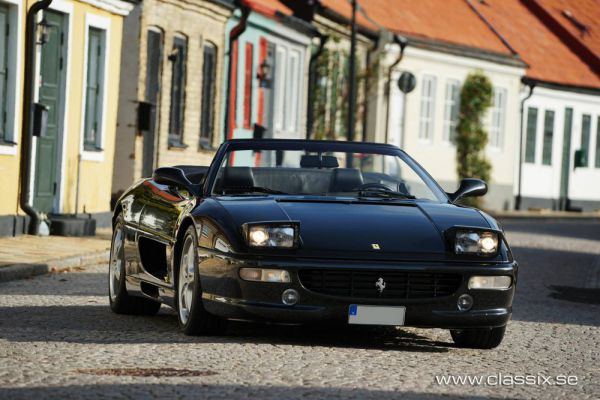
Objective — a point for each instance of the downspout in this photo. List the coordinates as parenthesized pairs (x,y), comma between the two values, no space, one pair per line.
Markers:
(400,41)
(234,34)
(28,96)
(531,86)
(312,70)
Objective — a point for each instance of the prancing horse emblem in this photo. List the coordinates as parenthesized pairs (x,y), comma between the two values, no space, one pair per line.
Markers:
(380,284)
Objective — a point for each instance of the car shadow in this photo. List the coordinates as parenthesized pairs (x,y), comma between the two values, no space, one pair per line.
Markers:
(553,287)
(209,390)
(97,324)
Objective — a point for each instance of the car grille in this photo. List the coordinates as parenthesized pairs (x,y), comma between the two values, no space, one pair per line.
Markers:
(362,284)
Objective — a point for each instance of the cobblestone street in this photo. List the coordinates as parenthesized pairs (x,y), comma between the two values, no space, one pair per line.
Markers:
(58,339)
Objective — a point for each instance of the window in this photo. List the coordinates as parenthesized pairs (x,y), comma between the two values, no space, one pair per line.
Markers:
(586,127)
(597,164)
(3,70)
(92,128)
(548,136)
(451,110)
(248,86)
(498,115)
(532,114)
(294,92)
(280,79)
(209,77)
(427,108)
(178,64)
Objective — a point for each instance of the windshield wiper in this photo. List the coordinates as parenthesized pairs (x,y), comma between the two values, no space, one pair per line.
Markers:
(384,193)
(251,189)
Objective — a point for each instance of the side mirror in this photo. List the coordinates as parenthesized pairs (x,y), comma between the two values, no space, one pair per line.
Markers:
(580,159)
(171,176)
(469,188)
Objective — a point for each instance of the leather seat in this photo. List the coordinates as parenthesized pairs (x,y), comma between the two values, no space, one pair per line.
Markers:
(345,180)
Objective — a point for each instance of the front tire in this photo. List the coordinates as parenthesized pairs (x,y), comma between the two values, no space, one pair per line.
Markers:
(487,338)
(193,317)
(120,301)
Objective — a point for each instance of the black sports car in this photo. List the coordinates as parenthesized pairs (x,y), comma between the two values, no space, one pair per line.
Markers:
(294,231)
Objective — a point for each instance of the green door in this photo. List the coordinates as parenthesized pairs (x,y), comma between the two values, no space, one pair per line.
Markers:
(51,94)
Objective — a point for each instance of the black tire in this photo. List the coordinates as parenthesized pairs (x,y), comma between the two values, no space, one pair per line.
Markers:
(193,317)
(486,338)
(120,301)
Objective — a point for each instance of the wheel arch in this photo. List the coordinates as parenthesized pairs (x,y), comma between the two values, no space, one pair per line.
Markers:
(186,222)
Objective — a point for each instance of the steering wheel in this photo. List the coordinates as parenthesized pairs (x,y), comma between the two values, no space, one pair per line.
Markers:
(374,185)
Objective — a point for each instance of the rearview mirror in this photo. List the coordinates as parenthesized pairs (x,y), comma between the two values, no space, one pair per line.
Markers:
(469,188)
(171,176)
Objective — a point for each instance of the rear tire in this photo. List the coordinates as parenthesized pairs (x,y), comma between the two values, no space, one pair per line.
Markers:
(486,338)
(193,317)
(120,301)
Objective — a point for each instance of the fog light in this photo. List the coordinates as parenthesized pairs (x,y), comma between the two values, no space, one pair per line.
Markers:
(465,302)
(490,282)
(290,297)
(264,275)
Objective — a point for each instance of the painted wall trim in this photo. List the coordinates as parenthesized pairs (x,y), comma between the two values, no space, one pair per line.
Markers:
(114,6)
(95,21)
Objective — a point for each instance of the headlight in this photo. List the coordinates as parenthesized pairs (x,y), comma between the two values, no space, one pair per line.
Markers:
(274,235)
(475,242)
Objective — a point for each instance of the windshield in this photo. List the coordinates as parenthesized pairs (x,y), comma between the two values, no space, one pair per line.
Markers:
(323,173)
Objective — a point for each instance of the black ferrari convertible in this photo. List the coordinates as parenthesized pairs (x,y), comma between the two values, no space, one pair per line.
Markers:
(294,231)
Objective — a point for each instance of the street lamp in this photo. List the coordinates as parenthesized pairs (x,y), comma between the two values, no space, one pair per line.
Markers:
(42,31)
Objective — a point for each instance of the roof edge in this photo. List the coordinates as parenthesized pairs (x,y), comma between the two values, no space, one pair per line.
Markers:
(513,60)
(562,86)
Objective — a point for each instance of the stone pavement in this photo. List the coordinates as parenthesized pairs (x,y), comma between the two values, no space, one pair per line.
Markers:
(25,256)
(59,340)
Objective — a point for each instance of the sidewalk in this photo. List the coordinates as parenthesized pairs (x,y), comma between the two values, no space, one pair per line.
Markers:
(22,257)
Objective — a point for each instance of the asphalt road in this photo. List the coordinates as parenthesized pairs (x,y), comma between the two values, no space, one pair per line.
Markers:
(58,339)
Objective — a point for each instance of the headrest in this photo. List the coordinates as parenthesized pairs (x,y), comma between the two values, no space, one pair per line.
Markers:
(345,180)
(234,177)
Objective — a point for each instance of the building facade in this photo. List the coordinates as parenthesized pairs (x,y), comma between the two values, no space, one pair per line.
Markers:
(76,75)
(171,87)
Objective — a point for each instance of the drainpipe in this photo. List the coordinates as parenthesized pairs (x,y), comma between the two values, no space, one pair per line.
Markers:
(531,86)
(312,68)
(234,34)
(402,42)
(27,116)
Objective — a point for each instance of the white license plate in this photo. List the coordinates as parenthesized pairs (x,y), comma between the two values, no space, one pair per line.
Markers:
(375,315)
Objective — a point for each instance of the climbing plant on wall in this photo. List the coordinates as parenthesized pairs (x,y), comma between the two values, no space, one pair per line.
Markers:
(471,137)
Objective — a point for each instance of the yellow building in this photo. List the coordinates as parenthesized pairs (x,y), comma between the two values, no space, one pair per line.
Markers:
(77,78)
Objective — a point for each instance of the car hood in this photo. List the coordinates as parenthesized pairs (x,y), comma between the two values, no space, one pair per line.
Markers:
(363,230)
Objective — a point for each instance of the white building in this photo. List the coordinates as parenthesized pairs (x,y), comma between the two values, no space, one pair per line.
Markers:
(423,121)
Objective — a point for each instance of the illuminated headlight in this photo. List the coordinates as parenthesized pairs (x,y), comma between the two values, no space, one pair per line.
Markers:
(476,242)
(264,275)
(277,235)
(490,282)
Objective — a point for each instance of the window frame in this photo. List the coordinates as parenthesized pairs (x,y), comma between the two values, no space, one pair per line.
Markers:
(208,91)
(427,122)
(498,118)
(547,145)
(451,105)
(531,137)
(176,139)
(96,153)
(14,52)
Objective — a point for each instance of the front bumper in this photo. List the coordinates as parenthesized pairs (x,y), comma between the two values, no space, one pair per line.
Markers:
(228,296)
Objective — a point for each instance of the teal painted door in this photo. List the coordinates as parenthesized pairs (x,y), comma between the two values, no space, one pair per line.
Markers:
(51,94)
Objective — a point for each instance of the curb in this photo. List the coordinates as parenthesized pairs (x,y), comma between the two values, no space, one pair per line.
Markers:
(25,271)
